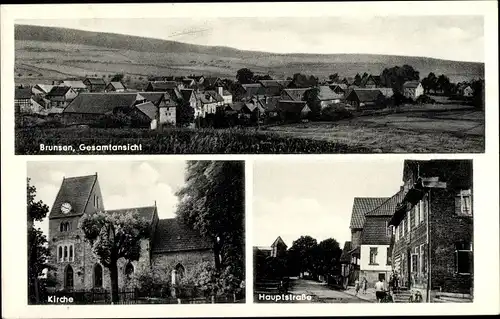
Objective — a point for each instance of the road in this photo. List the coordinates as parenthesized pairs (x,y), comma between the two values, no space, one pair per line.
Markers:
(318,292)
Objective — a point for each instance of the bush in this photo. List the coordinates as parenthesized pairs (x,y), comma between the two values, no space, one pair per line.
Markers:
(51,123)
(335,113)
(114,121)
(151,279)
(425,99)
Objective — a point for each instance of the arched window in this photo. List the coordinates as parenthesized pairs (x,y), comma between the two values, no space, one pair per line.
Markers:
(61,227)
(60,254)
(68,277)
(71,253)
(65,253)
(97,276)
(129,270)
(179,270)
(68,226)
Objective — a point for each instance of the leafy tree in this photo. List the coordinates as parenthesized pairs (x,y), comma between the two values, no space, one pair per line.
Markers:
(212,202)
(443,84)
(185,114)
(328,257)
(334,77)
(38,252)
(301,254)
(117,77)
(114,236)
(244,76)
(303,81)
(396,76)
(430,82)
(357,79)
(478,93)
(312,98)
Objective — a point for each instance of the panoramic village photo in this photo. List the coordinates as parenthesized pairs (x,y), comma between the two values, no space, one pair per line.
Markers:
(345,84)
(336,232)
(135,232)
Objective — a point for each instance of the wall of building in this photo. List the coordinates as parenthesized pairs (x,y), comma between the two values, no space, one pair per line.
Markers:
(356,238)
(188,259)
(381,259)
(168,115)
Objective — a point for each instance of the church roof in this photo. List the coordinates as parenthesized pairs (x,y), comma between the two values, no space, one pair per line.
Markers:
(173,235)
(144,212)
(278,241)
(75,191)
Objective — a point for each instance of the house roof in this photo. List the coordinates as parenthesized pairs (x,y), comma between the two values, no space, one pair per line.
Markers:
(101,103)
(146,212)
(375,231)
(361,206)
(45,87)
(253,89)
(75,191)
(365,95)
(186,94)
(76,84)
(22,93)
(95,81)
(154,97)
(173,235)
(411,84)
(117,85)
(216,96)
(295,94)
(237,106)
(388,207)
(326,94)
(271,83)
(292,106)
(148,109)
(278,241)
(271,104)
(345,252)
(162,85)
(59,91)
(251,106)
(210,81)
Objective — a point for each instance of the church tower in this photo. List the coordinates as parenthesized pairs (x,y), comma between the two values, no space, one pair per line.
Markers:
(70,254)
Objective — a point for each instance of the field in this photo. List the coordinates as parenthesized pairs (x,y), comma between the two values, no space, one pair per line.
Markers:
(459,129)
(431,129)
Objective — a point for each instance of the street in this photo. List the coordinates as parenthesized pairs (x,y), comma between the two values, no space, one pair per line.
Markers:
(319,292)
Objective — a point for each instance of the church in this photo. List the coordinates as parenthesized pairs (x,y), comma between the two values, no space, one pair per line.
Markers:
(171,245)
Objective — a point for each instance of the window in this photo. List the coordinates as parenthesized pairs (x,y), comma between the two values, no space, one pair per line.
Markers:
(60,253)
(408,222)
(421,259)
(373,255)
(129,270)
(423,209)
(397,232)
(68,277)
(97,276)
(463,203)
(463,258)
(388,229)
(61,227)
(71,253)
(403,228)
(414,262)
(417,213)
(389,257)
(65,253)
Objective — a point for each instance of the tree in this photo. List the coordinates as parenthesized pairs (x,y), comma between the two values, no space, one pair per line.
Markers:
(478,93)
(301,254)
(244,76)
(114,236)
(117,77)
(430,82)
(312,99)
(357,79)
(212,202)
(328,257)
(38,252)
(185,114)
(303,81)
(443,84)
(396,76)
(334,77)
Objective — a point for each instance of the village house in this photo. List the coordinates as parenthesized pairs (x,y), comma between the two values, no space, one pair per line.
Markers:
(41,89)
(171,245)
(468,91)
(249,91)
(438,196)
(365,99)
(273,87)
(211,83)
(77,85)
(209,101)
(369,81)
(22,100)
(163,86)
(95,84)
(115,87)
(339,88)
(225,94)
(413,89)
(293,94)
(346,265)
(278,247)
(61,96)
(327,96)
(293,110)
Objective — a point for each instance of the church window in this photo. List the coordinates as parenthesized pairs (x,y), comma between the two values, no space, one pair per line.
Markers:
(68,277)
(129,270)
(71,258)
(97,276)
(65,253)
(60,253)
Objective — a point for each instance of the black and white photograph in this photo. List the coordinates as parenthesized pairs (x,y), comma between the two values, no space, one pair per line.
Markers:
(136,232)
(386,231)
(250,85)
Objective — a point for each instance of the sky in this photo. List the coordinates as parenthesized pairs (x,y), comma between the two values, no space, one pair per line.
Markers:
(447,37)
(124,184)
(298,198)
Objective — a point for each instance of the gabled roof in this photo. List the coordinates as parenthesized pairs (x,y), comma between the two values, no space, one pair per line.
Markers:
(361,206)
(101,103)
(75,191)
(326,94)
(59,91)
(148,109)
(45,88)
(293,106)
(271,104)
(237,106)
(95,81)
(186,94)
(172,235)
(117,85)
(411,84)
(22,93)
(162,85)
(271,83)
(253,89)
(278,241)
(365,95)
(295,94)
(146,212)
(76,84)
(388,207)
(210,81)
(216,96)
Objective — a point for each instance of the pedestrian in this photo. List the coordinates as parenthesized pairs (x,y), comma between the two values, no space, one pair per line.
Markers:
(365,285)
(380,289)
(356,286)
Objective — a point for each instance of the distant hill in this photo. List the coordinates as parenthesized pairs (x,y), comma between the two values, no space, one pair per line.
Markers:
(53,53)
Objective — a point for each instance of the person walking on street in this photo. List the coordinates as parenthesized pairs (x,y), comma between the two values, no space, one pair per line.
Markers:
(356,286)
(379,289)
(365,285)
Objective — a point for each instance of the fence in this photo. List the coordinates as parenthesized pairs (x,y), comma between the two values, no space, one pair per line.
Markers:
(136,296)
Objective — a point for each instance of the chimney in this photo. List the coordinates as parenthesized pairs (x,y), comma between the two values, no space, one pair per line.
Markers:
(219,90)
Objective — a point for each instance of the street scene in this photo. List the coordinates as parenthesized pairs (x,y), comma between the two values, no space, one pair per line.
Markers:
(392,251)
